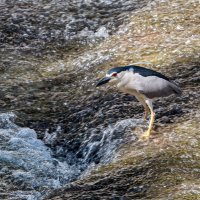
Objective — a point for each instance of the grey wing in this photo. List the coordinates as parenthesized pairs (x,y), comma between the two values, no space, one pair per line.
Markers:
(153,86)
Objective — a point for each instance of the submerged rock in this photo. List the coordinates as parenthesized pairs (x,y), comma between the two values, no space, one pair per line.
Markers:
(26,164)
(164,167)
(51,88)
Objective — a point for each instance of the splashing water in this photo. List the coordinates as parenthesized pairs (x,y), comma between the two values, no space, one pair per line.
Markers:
(30,164)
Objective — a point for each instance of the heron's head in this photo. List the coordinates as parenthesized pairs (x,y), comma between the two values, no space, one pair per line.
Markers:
(113,76)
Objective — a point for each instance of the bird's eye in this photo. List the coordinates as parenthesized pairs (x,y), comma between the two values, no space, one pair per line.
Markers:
(114,74)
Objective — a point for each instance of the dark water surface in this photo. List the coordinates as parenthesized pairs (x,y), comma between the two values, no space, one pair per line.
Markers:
(56,127)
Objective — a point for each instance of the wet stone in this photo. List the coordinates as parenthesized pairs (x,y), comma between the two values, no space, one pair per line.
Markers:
(69,132)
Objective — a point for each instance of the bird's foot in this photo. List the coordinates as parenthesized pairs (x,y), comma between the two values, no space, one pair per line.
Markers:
(145,135)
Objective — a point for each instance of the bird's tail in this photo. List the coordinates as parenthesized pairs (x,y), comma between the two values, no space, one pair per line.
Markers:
(176,89)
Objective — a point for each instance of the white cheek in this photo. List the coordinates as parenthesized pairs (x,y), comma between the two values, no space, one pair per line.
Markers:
(113,81)
(120,75)
(108,75)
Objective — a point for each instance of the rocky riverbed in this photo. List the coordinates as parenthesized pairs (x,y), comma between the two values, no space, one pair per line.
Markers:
(60,137)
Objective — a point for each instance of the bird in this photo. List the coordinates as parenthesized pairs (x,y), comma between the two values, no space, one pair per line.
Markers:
(143,83)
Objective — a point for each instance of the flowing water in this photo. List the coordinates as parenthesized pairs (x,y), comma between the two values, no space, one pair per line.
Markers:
(31,167)
(56,128)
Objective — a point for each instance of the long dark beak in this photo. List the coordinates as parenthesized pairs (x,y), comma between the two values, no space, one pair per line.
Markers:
(103,81)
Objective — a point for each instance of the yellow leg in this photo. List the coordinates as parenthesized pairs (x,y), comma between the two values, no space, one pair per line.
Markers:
(147,133)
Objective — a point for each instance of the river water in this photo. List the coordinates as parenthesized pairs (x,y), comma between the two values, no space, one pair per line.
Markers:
(29,31)
(55,127)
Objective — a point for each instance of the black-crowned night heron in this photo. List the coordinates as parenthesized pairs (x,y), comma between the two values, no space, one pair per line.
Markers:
(145,84)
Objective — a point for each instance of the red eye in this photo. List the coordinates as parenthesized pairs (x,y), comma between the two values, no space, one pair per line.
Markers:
(114,74)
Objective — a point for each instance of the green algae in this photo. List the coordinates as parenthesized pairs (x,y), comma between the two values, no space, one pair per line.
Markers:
(168,170)
(162,37)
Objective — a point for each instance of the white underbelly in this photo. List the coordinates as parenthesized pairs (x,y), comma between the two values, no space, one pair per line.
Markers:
(129,91)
